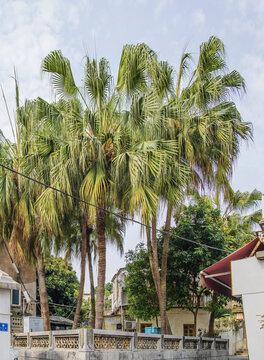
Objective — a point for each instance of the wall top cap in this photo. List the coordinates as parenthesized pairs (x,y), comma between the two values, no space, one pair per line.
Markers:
(6,282)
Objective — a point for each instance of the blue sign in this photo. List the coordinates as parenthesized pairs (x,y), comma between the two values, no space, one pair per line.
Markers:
(4,327)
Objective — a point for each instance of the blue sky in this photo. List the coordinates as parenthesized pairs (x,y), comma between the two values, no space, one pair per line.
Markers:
(30,29)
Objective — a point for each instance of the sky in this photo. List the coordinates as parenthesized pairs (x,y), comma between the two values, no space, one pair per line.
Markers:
(30,29)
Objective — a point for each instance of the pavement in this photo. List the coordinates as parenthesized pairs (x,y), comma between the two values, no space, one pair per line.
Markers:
(238,358)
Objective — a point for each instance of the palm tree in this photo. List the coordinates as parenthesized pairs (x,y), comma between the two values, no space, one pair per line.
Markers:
(239,218)
(173,137)
(198,126)
(20,221)
(85,158)
(59,213)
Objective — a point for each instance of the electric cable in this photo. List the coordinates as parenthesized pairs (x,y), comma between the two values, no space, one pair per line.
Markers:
(112,212)
(59,305)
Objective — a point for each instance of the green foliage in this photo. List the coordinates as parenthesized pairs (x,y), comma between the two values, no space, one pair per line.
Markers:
(217,305)
(62,286)
(201,223)
(109,287)
(108,290)
(142,297)
(238,226)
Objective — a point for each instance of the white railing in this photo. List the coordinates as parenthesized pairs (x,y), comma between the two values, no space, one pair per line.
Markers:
(101,340)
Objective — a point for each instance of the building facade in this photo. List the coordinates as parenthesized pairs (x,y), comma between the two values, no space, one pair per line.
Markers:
(19,304)
(181,321)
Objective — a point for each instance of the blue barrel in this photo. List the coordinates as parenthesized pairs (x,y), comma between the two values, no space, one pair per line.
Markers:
(152,330)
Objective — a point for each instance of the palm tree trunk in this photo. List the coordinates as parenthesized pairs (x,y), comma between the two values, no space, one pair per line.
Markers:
(165,325)
(211,324)
(195,313)
(154,261)
(82,280)
(43,295)
(152,254)
(100,228)
(156,274)
(89,256)
(154,265)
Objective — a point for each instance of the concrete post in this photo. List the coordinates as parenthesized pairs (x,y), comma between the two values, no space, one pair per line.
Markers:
(81,338)
(28,340)
(134,341)
(161,342)
(90,339)
(181,347)
(50,340)
(214,344)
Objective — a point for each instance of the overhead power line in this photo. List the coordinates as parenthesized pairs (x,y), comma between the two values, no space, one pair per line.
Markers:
(109,211)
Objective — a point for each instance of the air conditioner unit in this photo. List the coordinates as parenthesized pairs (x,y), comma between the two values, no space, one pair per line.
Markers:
(130,325)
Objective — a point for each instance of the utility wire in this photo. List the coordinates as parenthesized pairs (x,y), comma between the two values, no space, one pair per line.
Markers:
(59,305)
(111,212)
(22,283)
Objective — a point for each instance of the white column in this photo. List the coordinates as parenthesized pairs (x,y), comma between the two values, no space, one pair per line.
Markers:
(248,281)
(4,323)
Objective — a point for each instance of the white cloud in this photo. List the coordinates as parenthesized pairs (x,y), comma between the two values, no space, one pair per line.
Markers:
(29,31)
(253,71)
(73,16)
(162,4)
(199,17)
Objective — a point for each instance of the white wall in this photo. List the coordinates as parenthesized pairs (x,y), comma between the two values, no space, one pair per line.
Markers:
(5,318)
(248,281)
(236,340)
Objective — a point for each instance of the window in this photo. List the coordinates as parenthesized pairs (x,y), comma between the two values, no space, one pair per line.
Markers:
(143,326)
(15,297)
(188,329)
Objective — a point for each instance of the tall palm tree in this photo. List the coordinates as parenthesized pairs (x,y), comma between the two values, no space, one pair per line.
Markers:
(201,120)
(56,210)
(88,148)
(20,221)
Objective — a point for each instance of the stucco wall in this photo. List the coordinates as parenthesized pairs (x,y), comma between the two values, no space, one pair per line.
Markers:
(177,317)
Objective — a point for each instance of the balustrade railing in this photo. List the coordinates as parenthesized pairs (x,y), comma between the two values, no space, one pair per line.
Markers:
(92,340)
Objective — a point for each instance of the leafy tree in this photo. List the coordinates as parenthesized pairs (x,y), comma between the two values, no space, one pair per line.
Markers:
(183,134)
(142,296)
(203,224)
(108,290)
(216,307)
(200,223)
(109,287)
(62,286)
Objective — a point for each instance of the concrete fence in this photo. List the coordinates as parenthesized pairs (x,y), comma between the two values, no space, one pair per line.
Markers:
(88,344)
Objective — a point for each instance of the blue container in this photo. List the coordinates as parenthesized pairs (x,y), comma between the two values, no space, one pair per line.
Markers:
(152,330)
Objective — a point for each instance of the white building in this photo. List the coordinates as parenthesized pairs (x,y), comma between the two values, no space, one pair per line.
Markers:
(9,290)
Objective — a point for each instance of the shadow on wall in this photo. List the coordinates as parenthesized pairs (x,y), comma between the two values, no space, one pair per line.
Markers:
(47,355)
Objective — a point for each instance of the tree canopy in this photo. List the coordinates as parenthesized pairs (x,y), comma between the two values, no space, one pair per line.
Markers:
(126,146)
(199,222)
(62,287)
